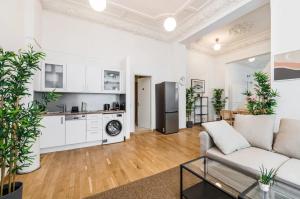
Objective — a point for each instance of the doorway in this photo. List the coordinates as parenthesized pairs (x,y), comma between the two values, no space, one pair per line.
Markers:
(142,103)
(240,79)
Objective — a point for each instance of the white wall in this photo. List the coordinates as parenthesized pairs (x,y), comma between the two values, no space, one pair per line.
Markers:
(162,61)
(12,24)
(285,37)
(20,23)
(20,27)
(202,66)
(236,84)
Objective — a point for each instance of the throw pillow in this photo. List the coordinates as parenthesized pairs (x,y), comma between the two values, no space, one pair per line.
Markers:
(287,141)
(257,129)
(226,138)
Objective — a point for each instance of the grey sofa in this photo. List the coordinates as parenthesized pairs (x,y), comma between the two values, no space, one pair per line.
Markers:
(284,155)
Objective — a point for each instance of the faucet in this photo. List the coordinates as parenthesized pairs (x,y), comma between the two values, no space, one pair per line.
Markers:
(63,108)
(83,106)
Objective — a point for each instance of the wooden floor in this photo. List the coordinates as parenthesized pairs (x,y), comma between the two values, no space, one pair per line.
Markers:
(82,172)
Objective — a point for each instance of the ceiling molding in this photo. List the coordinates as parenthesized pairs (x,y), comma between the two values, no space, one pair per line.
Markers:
(118,16)
(226,48)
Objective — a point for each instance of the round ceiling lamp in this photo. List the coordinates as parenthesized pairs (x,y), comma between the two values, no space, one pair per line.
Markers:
(217,45)
(98,5)
(170,24)
(252,59)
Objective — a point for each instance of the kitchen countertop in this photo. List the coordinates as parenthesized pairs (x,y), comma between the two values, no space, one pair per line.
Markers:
(83,113)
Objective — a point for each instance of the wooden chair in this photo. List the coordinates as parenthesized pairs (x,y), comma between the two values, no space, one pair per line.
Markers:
(227,115)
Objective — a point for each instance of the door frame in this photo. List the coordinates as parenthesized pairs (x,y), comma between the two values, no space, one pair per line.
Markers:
(134,96)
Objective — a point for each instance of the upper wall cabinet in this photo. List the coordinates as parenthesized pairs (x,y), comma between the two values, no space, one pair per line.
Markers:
(93,79)
(65,72)
(53,76)
(75,78)
(112,81)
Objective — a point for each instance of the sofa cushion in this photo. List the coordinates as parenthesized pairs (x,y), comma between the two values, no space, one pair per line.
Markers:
(249,159)
(226,138)
(257,129)
(289,172)
(287,141)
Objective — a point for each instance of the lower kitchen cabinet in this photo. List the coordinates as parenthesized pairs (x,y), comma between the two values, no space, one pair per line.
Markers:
(76,129)
(70,131)
(53,132)
(94,127)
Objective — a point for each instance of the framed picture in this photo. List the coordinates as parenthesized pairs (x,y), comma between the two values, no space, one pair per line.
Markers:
(198,85)
(287,66)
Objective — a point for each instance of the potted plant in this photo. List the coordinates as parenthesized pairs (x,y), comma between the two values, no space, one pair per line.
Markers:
(263,102)
(20,122)
(266,178)
(218,101)
(190,100)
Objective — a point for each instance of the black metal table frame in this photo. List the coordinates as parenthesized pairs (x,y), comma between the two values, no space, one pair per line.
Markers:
(182,167)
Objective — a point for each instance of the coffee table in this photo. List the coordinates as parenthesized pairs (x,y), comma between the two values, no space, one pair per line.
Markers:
(216,180)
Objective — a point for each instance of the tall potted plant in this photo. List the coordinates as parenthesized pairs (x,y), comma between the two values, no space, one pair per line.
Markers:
(190,100)
(20,122)
(218,101)
(263,101)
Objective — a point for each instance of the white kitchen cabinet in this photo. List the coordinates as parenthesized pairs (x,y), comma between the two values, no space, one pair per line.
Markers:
(75,129)
(75,78)
(93,79)
(112,81)
(53,76)
(53,131)
(94,127)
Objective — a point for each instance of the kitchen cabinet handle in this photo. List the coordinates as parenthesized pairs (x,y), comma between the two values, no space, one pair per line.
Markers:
(62,120)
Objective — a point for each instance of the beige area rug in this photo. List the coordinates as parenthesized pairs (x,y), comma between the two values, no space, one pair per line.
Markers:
(164,185)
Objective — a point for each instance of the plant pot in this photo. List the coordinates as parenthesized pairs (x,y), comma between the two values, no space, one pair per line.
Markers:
(189,124)
(17,194)
(264,187)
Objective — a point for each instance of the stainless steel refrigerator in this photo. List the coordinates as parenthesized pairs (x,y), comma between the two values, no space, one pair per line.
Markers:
(166,100)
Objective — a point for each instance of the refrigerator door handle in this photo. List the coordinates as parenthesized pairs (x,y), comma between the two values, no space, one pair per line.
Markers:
(176,93)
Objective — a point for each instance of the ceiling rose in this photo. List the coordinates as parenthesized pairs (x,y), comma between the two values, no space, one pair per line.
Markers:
(241,28)
(170,24)
(98,5)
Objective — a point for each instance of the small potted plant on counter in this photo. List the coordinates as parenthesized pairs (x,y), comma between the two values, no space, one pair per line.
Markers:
(19,121)
(190,100)
(266,178)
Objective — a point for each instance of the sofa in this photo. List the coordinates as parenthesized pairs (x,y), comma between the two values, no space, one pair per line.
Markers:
(283,155)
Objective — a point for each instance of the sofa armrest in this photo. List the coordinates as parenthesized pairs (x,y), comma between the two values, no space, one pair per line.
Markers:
(205,142)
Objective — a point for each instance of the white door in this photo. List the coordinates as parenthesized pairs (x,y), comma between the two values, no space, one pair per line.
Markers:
(53,131)
(144,102)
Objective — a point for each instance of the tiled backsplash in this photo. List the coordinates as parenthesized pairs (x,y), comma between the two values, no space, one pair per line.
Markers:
(94,101)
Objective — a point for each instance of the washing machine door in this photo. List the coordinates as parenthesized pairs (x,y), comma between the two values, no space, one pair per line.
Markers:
(113,128)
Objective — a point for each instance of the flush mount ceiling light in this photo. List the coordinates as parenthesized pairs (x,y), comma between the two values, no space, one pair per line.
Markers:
(98,5)
(170,24)
(252,59)
(217,45)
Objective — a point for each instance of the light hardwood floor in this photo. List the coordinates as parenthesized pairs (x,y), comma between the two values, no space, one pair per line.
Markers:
(82,172)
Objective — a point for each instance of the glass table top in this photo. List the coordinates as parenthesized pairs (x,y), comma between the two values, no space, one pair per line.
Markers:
(237,183)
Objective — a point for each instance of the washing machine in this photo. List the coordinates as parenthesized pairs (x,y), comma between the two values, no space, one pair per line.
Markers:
(113,128)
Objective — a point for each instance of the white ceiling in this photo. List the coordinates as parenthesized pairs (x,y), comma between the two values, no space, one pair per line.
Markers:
(248,29)
(260,62)
(145,17)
